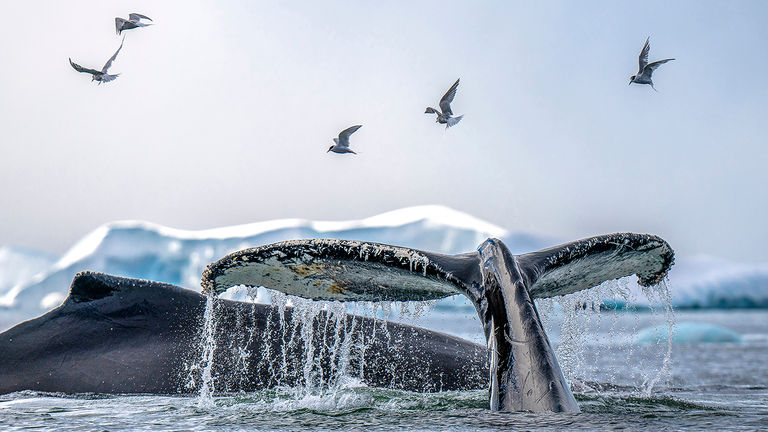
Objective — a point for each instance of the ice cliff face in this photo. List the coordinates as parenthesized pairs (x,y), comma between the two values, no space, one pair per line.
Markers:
(32,283)
(17,266)
(707,282)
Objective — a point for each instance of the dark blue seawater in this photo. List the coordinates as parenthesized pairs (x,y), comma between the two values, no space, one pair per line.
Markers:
(620,385)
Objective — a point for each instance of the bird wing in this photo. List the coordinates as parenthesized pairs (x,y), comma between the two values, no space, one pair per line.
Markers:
(431,110)
(137,17)
(344,135)
(643,59)
(653,66)
(111,59)
(650,67)
(105,78)
(79,68)
(445,101)
(119,24)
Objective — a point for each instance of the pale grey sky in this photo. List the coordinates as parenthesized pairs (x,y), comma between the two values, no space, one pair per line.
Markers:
(224,110)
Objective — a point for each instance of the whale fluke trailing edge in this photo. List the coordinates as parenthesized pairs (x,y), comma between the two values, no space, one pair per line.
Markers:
(524,373)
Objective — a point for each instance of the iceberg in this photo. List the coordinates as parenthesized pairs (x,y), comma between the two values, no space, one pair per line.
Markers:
(704,282)
(18,265)
(150,251)
(32,282)
(687,333)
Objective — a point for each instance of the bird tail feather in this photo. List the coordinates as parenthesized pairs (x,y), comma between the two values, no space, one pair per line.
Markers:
(452,121)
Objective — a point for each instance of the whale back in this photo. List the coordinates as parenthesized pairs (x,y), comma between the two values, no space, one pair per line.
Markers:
(122,335)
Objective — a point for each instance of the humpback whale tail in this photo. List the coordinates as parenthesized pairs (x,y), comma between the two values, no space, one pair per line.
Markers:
(524,373)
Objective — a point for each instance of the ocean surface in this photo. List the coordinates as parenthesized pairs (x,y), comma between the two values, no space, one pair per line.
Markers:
(621,383)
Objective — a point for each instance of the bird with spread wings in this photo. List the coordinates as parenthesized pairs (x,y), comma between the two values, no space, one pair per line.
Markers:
(445,114)
(646,69)
(342,142)
(101,76)
(133,21)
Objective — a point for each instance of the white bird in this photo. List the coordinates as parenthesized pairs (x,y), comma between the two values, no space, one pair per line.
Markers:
(342,142)
(133,21)
(101,76)
(646,69)
(446,116)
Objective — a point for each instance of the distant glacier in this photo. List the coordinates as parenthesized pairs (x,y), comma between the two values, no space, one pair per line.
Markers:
(33,282)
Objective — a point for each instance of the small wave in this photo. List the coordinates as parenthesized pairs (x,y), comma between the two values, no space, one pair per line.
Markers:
(350,399)
(623,403)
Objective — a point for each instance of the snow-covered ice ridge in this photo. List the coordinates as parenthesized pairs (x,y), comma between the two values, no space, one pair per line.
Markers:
(150,251)
(32,283)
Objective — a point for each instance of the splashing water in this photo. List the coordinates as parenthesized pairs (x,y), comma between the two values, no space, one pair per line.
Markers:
(661,292)
(582,320)
(205,398)
(323,345)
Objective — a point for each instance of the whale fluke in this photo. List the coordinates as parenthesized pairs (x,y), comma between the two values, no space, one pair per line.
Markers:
(350,270)
(524,373)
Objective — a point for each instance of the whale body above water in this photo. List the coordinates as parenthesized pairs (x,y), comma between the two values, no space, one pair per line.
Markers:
(120,335)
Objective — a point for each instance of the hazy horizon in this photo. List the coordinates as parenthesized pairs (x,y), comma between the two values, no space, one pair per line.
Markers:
(223,113)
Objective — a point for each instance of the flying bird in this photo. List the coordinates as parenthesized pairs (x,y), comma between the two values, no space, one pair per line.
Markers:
(446,116)
(646,69)
(133,21)
(101,76)
(342,142)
